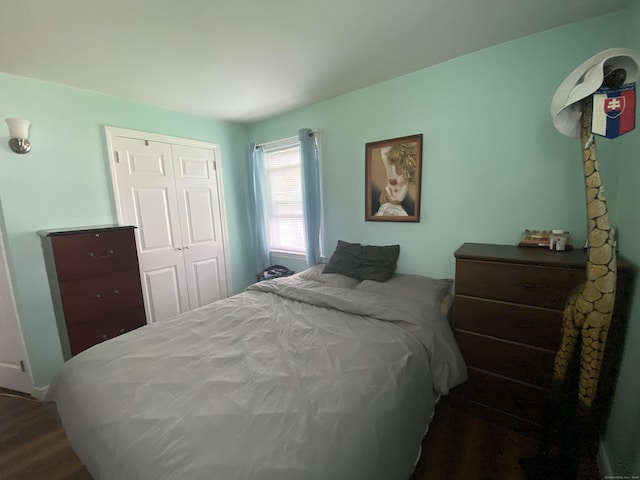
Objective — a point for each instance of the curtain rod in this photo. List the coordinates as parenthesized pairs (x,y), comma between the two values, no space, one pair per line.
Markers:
(313,132)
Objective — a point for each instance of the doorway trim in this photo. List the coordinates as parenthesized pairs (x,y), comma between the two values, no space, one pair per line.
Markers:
(6,286)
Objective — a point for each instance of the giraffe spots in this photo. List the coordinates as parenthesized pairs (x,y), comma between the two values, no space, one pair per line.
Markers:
(597,237)
(595,321)
(592,194)
(601,255)
(596,208)
(607,284)
(596,271)
(593,180)
(603,223)
(589,168)
(590,293)
(590,335)
(605,304)
(582,307)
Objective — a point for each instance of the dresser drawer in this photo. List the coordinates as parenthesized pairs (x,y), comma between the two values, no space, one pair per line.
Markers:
(97,296)
(527,284)
(500,393)
(97,330)
(93,253)
(520,362)
(541,327)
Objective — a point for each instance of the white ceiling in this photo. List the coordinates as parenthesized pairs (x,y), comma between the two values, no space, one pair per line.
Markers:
(245,60)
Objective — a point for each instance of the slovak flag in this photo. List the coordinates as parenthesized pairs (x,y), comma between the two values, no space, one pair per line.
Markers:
(614,111)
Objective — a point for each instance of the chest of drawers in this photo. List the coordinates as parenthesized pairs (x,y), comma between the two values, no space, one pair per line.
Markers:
(95,284)
(508,324)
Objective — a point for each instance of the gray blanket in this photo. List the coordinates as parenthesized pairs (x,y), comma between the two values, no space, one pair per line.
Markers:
(291,379)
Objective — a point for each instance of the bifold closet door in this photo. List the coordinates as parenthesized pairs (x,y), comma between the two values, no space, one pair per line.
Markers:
(172,194)
(199,209)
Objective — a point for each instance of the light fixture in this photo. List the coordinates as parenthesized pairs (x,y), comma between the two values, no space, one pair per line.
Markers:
(19,135)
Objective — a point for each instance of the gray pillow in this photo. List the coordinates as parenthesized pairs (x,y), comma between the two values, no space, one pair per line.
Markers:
(364,262)
(334,279)
(426,290)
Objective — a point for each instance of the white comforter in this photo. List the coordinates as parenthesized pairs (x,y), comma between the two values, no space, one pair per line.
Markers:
(291,379)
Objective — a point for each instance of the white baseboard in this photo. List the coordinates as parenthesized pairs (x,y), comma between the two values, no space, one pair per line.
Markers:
(604,465)
(40,392)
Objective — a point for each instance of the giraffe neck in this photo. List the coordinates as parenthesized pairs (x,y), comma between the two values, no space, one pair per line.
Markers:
(600,234)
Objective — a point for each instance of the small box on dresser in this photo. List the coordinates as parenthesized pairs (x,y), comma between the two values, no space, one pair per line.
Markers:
(95,284)
(508,322)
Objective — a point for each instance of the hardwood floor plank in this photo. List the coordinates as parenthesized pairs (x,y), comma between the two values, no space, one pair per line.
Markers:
(33,445)
(458,446)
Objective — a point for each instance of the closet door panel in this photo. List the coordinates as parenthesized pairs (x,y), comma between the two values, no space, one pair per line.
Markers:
(164,300)
(199,203)
(147,194)
(199,221)
(206,275)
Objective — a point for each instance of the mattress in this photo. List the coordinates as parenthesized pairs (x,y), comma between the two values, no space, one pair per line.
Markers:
(290,379)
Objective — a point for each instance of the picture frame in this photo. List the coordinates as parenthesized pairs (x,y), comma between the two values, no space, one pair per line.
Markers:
(393,178)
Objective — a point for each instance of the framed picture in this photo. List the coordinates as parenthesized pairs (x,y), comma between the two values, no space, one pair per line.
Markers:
(393,173)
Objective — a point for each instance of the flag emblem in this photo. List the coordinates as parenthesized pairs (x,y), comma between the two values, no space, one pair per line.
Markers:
(614,111)
(613,107)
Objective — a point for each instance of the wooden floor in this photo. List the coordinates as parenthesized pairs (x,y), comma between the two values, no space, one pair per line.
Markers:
(33,445)
(459,446)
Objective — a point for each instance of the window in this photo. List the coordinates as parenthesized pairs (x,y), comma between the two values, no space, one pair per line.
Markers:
(285,221)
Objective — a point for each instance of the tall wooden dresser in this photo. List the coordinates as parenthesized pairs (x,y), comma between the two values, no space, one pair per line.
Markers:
(508,324)
(95,284)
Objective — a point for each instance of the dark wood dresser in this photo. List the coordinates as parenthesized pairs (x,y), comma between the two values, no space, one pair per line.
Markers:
(95,284)
(508,324)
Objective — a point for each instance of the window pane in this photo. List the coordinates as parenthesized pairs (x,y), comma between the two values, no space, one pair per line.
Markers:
(287,234)
(287,210)
(283,158)
(284,184)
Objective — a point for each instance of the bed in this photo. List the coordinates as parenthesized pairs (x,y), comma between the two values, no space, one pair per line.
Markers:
(315,376)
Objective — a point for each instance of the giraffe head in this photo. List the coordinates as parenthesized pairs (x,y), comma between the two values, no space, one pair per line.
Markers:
(611,68)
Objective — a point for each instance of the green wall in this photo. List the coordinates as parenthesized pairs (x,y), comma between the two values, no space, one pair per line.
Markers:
(493,166)
(65,181)
(621,440)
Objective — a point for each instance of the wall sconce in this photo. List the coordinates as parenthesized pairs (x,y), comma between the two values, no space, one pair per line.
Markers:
(18,135)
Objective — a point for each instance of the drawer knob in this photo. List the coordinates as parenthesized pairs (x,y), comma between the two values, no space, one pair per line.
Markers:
(100,257)
(108,297)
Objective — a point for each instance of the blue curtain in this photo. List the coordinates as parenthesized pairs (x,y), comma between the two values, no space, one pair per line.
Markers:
(311,193)
(258,184)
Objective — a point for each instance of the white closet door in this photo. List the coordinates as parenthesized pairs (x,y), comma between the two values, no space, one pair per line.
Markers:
(147,196)
(199,207)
